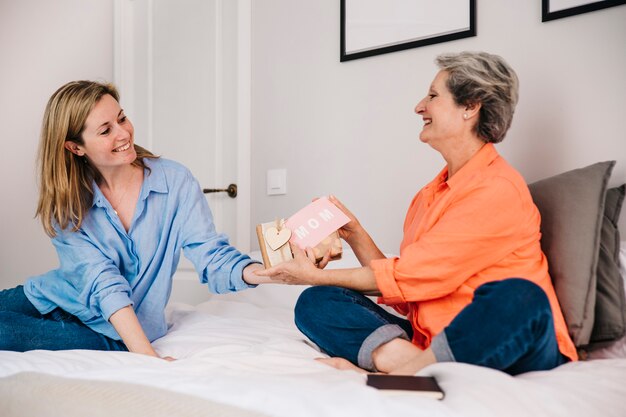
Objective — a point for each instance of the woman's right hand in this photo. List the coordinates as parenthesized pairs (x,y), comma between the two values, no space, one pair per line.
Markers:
(351,230)
(359,240)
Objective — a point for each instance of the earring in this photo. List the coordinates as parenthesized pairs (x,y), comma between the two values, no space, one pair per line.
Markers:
(465,115)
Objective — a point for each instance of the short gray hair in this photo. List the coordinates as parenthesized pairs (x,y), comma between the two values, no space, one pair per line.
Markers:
(479,77)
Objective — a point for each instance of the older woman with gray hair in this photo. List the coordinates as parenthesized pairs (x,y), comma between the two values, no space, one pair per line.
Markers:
(471,283)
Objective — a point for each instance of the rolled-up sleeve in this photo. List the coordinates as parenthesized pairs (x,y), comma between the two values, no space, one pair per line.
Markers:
(100,289)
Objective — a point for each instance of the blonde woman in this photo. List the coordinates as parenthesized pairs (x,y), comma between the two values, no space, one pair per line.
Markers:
(118,217)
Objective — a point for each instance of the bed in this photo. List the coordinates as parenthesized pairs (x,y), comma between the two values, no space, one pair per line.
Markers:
(241,355)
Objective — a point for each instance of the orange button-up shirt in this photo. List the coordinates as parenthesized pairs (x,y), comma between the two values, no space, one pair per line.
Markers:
(481,225)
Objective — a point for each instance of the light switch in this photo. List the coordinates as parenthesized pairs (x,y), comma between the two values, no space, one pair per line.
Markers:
(276,181)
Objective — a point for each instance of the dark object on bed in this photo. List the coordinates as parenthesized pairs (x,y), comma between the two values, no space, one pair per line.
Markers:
(421,385)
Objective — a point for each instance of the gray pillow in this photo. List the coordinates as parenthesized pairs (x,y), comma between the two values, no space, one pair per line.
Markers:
(572,207)
(610,312)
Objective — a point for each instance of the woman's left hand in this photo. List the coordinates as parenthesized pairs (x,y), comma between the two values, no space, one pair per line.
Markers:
(301,270)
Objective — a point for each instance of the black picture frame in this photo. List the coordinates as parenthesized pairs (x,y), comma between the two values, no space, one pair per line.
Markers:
(548,14)
(402,44)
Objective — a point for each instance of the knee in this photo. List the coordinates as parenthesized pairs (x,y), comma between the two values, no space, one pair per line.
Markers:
(318,304)
(517,292)
(312,298)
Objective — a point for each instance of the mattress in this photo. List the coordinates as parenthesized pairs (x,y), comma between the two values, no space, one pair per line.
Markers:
(241,354)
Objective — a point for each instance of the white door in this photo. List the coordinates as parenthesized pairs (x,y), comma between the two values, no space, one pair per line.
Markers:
(183,72)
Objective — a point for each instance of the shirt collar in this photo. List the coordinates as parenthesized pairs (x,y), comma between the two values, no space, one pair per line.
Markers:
(153,180)
(482,159)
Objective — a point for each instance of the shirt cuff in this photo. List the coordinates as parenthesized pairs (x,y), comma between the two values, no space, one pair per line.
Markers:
(114,302)
(237,274)
(386,281)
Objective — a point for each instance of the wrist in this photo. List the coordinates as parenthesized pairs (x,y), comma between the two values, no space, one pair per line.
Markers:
(357,234)
(143,350)
(319,277)
(360,239)
(250,277)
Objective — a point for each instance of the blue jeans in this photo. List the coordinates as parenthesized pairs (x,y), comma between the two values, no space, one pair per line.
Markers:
(23,327)
(507,326)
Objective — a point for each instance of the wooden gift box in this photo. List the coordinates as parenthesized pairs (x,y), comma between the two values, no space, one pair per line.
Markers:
(276,248)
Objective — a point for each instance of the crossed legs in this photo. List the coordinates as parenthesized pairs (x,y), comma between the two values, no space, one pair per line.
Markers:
(508,326)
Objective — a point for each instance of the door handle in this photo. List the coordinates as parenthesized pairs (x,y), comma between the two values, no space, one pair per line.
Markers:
(231,190)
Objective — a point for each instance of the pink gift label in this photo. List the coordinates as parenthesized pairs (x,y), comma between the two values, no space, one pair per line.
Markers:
(315,222)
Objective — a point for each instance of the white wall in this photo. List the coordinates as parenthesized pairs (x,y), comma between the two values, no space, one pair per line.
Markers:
(349,128)
(342,128)
(43,44)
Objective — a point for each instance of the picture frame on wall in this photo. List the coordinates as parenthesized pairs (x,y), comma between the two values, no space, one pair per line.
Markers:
(557,9)
(375,27)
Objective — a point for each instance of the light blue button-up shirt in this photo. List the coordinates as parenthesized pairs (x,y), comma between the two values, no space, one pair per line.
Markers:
(103,268)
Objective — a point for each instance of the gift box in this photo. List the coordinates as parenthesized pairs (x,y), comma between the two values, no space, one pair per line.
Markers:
(314,226)
(276,248)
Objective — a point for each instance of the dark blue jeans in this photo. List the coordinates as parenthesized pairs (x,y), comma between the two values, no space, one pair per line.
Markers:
(23,327)
(508,326)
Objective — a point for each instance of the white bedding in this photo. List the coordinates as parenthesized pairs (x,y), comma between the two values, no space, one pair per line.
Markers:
(243,349)
(241,354)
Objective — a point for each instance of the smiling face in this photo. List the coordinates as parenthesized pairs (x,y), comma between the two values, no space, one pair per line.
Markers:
(443,118)
(108,137)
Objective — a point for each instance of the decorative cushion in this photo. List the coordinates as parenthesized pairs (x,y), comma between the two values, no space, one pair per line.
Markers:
(572,208)
(618,348)
(610,312)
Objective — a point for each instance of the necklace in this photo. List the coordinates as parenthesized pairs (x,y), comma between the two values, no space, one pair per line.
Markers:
(121,197)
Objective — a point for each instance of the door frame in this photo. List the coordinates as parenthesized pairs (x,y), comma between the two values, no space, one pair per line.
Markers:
(127,15)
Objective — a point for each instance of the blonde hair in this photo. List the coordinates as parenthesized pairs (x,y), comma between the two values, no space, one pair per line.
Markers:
(479,77)
(65,187)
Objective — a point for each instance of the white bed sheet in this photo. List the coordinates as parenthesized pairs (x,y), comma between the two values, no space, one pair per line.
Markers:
(252,357)
(243,349)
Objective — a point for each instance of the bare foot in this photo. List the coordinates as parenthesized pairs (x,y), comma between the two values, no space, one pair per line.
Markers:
(341,364)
